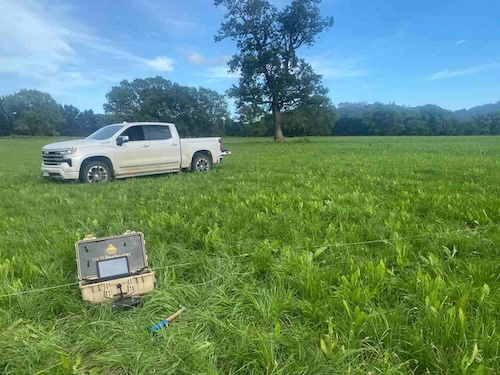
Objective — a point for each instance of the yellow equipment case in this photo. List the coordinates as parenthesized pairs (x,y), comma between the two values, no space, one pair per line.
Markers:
(114,268)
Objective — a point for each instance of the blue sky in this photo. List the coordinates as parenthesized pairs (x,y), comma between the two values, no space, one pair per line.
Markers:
(408,52)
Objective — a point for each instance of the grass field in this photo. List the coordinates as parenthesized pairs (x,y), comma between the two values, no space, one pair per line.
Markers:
(315,256)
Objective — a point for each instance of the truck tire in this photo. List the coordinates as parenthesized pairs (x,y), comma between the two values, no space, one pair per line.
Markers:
(95,171)
(201,163)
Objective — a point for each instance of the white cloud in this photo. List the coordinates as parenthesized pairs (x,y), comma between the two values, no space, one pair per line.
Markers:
(330,72)
(221,72)
(461,41)
(336,68)
(162,64)
(153,34)
(111,50)
(175,22)
(64,83)
(443,74)
(30,45)
(196,58)
(41,42)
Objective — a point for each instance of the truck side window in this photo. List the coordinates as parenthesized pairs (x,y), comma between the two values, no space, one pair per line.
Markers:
(157,132)
(135,133)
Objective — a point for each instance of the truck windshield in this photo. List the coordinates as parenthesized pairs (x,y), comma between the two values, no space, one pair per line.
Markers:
(105,132)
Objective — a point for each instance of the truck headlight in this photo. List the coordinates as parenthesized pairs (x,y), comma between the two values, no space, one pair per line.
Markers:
(68,151)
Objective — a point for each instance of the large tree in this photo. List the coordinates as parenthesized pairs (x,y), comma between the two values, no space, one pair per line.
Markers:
(195,111)
(271,73)
(32,112)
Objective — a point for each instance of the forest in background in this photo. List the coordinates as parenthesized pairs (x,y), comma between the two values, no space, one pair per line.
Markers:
(205,112)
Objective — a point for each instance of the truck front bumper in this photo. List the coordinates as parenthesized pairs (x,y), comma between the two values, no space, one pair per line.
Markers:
(60,172)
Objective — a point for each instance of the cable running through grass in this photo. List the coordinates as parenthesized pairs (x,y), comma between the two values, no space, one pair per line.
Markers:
(340,244)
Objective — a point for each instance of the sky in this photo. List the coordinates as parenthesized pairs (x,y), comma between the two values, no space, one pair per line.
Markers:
(393,51)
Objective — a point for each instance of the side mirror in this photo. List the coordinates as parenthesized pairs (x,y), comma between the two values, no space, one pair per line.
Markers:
(122,139)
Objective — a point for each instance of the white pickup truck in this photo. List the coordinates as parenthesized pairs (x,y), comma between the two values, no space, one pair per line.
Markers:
(129,149)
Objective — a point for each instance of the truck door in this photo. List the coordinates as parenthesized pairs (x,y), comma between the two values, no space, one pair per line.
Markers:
(164,148)
(133,156)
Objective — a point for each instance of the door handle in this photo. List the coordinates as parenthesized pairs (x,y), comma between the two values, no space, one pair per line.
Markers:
(145,146)
(173,144)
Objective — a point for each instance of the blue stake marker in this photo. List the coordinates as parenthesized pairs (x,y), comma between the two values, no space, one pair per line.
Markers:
(166,322)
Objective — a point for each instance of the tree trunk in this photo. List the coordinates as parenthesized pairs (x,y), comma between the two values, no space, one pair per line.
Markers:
(278,133)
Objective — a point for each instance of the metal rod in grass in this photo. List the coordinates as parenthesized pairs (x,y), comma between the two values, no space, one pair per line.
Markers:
(166,322)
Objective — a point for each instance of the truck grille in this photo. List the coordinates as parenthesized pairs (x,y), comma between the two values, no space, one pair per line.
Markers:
(52,157)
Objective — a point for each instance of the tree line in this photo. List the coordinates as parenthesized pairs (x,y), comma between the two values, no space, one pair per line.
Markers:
(204,112)
(195,111)
(390,119)
(35,113)
(378,119)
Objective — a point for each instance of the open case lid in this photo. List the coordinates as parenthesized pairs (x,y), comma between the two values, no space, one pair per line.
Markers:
(91,251)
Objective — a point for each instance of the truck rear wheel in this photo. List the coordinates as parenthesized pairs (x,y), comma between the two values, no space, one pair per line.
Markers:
(95,171)
(201,163)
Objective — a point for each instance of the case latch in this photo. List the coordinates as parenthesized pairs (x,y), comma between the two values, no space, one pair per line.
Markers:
(131,287)
(107,290)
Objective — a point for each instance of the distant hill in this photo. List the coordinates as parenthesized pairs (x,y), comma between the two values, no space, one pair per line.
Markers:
(392,119)
(479,110)
(356,109)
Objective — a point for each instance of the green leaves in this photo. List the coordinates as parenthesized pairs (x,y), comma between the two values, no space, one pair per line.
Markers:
(68,364)
(31,112)
(267,39)
(195,111)
(318,252)
(485,292)
(467,360)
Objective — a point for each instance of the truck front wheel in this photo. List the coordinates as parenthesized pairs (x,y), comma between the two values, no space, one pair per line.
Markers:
(201,163)
(95,171)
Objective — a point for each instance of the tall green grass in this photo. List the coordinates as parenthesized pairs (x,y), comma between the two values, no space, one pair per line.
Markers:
(277,255)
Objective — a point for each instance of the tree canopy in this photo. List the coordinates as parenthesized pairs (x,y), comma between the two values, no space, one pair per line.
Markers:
(271,73)
(31,112)
(195,111)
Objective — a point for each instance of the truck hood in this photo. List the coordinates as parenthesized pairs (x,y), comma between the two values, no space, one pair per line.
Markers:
(69,144)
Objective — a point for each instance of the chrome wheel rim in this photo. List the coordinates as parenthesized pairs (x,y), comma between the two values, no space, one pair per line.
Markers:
(97,174)
(202,165)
